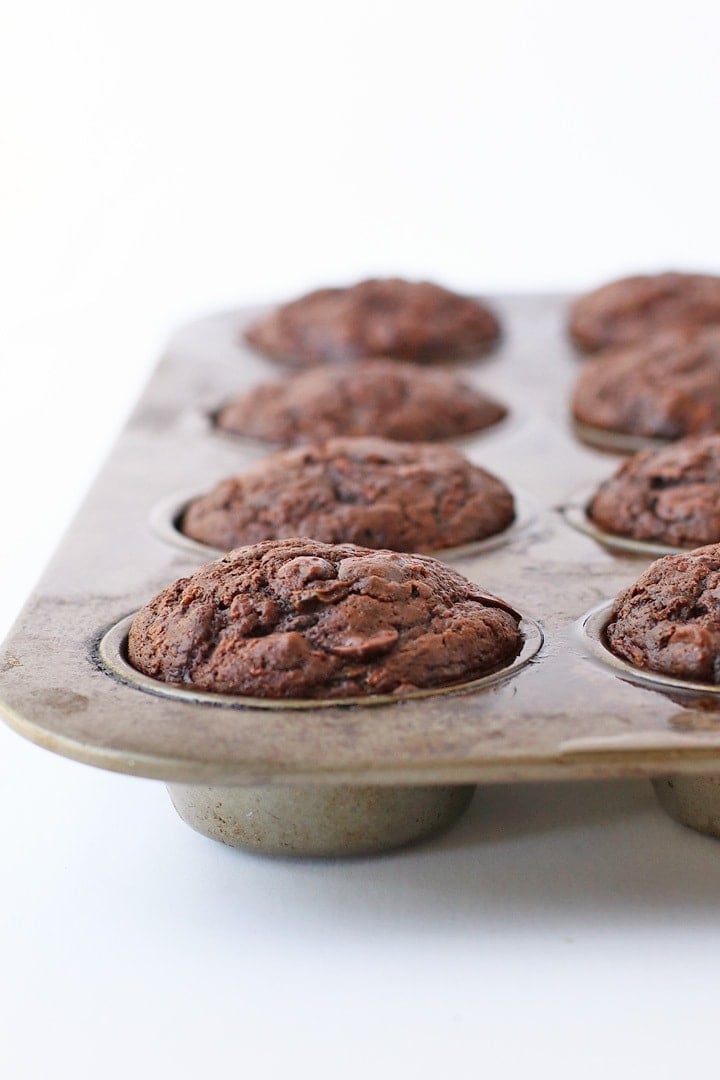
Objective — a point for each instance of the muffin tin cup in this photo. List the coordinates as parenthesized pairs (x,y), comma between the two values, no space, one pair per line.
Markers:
(320,821)
(593,628)
(576,515)
(111,653)
(315,819)
(691,800)
(615,442)
(203,422)
(166,515)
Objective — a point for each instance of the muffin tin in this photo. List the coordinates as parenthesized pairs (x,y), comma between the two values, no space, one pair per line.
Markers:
(330,778)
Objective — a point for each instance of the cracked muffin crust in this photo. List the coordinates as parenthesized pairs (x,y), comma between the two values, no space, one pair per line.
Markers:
(410,320)
(671,495)
(664,388)
(375,492)
(299,619)
(630,309)
(669,620)
(376,397)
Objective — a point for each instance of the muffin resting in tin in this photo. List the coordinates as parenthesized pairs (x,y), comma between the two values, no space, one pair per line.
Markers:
(408,320)
(670,496)
(631,309)
(666,387)
(376,492)
(299,619)
(669,620)
(376,397)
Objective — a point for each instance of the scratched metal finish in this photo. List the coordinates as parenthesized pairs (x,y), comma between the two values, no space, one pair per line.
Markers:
(564,715)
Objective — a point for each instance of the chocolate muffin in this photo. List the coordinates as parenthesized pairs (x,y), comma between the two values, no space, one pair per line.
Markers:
(671,496)
(377,397)
(669,620)
(383,494)
(664,388)
(629,310)
(299,619)
(390,317)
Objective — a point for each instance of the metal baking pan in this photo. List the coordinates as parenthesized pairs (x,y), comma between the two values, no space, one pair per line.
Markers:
(339,778)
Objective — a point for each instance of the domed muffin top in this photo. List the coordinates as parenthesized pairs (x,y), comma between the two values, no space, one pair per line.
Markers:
(300,619)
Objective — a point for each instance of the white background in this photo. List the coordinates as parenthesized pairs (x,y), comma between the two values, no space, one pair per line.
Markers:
(163,159)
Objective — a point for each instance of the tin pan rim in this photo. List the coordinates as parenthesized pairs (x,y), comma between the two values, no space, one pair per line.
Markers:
(574,511)
(202,418)
(166,514)
(111,653)
(592,628)
(616,442)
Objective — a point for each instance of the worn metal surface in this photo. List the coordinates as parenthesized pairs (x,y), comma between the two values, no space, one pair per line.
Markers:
(565,714)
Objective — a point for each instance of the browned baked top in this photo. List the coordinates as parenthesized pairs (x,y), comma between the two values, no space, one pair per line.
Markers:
(671,496)
(630,309)
(376,492)
(666,387)
(375,397)
(669,620)
(300,619)
(410,320)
